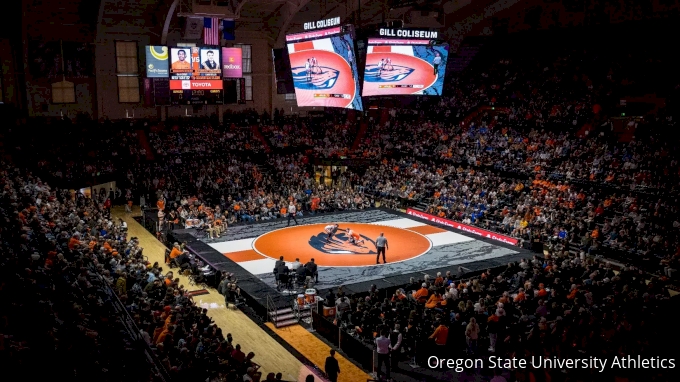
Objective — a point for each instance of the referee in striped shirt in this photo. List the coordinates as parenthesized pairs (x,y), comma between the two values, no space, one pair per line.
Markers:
(381,246)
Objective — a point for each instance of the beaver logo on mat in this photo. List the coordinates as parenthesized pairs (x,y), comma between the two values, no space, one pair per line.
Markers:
(326,78)
(340,244)
(397,73)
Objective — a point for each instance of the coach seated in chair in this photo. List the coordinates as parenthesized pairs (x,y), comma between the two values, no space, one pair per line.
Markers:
(312,270)
(175,252)
(281,272)
(301,276)
(182,260)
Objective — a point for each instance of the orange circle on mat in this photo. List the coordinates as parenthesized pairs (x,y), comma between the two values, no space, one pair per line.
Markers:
(309,241)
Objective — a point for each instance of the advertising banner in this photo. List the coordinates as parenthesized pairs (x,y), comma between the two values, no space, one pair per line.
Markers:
(148,92)
(195,85)
(157,62)
(232,63)
(463,227)
(313,34)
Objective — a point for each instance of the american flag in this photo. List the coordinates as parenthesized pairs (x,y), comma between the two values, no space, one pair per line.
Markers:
(211,31)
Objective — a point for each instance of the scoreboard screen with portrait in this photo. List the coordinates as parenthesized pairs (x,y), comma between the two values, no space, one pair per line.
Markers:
(195,64)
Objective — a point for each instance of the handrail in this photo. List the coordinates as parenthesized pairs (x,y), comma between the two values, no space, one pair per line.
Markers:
(270,308)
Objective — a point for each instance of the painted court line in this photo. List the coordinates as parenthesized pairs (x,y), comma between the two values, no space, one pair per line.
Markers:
(427,230)
(400,223)
(233,246)
(259,267)
(445,238)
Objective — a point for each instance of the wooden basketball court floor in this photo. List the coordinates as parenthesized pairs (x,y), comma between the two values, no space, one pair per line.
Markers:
(270,354)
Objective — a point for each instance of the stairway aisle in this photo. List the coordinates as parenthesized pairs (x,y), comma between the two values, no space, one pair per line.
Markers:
(271,355)
(258,134)
(360,135)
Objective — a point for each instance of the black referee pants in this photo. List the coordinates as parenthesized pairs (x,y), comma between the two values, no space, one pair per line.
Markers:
(380,250)
(291,216)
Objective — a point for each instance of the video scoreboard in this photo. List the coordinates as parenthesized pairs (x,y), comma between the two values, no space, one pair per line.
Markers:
(197,97)
(190,75)
(404,66)
(324,95)
(323,66)
(195,64)
(401,86)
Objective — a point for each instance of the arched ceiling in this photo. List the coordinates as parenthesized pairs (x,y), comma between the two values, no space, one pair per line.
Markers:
(275,17)
(279,17)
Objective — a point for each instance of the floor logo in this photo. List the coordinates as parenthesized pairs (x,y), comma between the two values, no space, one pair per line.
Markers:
(326,79)
(309,241)
(341,244)
(398,73)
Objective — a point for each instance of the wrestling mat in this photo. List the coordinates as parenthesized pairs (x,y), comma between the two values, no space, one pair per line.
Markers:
(414,246)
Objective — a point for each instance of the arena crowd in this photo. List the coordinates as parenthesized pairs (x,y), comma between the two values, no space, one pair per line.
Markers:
(74,284)
(522,145)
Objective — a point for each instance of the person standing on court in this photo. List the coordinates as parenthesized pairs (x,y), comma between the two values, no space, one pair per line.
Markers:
(381,246)
(436,62)
(291,213)
(332,367)
(308,70)
(350,58)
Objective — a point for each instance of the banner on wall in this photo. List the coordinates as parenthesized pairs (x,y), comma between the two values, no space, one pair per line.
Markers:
(194,28)
(148,92)
(313,34)
(157,64)
(232,63)
(463,227)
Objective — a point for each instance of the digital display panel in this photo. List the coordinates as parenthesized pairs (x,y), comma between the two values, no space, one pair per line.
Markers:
(180,64)
(323,66)
(404,66)
(197,97)
(195,64)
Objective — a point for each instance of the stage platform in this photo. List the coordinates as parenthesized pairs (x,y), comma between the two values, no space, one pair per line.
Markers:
(416,247)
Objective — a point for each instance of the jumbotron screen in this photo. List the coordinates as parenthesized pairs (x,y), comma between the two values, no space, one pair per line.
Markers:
(195,64)
(323,65)
(404,66)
